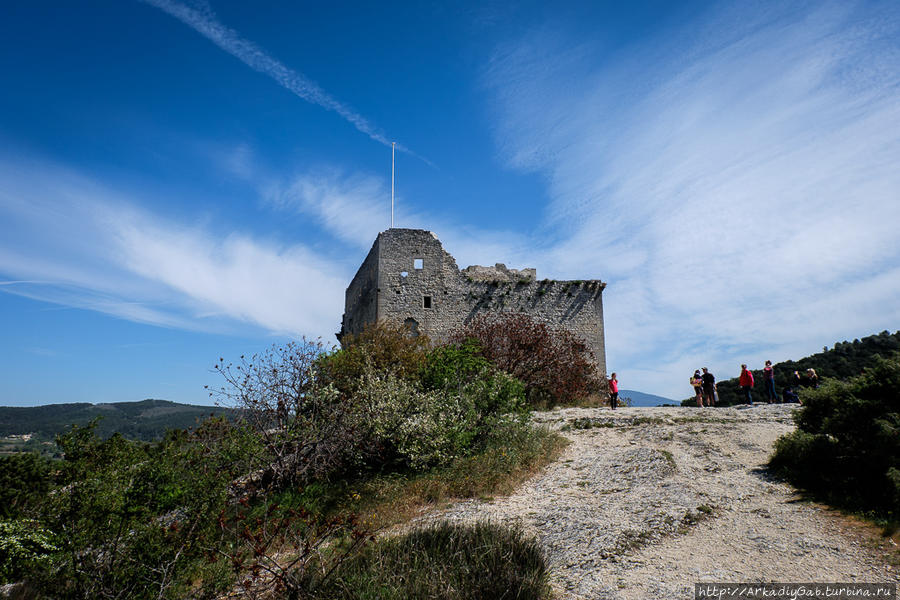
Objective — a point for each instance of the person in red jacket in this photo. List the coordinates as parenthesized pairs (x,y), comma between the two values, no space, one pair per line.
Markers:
(746,383)
(613,391)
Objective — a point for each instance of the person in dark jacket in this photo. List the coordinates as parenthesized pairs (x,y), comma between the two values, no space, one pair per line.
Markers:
(790,395)
(769,381)
(709,387)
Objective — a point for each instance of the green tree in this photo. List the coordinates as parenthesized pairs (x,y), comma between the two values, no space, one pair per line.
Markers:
(24,481)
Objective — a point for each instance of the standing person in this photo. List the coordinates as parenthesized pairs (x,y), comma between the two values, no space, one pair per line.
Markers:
(709,387)
(746,383)
(697,384)
(613,391)
(796,381)
(812,379)
(769,381)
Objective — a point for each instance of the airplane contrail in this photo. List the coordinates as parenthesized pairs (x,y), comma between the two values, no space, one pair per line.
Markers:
(205,23)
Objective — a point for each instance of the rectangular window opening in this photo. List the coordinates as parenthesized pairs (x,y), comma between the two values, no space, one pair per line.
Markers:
(418,263)
(426,301)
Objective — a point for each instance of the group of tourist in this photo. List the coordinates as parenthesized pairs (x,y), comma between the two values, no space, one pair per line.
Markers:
(704,385)
(705,390)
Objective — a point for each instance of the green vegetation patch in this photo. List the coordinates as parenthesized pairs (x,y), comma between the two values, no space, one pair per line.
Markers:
(449,561)
(329,448)
(846,449)
(588,423)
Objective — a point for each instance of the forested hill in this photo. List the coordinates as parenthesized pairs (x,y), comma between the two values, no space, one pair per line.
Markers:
(144,420)
(844,360)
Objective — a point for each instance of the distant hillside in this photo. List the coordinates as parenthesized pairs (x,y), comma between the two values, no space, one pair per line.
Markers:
(642,399)
(846,359)
(145,420)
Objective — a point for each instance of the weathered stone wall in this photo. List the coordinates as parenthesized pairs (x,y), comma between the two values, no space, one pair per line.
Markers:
(418,284)
(361,299)
(425,299)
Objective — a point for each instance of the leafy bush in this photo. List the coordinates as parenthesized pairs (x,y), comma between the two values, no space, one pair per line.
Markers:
(312,432)
(23,545)
(847,445)
(449,561)
(383,347)
(137,520)
(451,365)
(554,364)
(174,519)
(428,428)
(24,480)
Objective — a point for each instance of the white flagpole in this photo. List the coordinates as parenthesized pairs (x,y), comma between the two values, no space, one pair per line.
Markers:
(392,183)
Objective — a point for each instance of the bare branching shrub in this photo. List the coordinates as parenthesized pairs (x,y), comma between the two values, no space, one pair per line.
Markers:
(555,365)
(306,431)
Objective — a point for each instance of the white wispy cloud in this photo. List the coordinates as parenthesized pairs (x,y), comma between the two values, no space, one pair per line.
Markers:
(352,207)
(67,240)
(736,184)
(202,20)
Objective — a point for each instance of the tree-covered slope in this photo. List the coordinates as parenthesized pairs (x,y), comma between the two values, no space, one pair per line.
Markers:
(144,420)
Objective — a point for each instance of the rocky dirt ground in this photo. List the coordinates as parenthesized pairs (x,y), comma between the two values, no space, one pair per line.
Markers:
(646,502)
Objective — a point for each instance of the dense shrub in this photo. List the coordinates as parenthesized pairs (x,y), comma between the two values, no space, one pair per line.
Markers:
(460,370)
(383,347)
(846,448)
(130,519)
(428,428)
(24,546)
(24,480)
(452,365)
(554,364)
(449,561)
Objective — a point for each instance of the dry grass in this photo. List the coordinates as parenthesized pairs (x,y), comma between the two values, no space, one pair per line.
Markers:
(388,500)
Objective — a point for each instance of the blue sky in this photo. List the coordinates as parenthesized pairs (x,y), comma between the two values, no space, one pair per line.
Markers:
(181,181)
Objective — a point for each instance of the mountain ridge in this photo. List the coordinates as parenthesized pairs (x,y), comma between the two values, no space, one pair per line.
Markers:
(35,427)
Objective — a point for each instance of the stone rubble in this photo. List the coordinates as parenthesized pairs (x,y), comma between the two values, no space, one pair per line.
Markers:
(646,502)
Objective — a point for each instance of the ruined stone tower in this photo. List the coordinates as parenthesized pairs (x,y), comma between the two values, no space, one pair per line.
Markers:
(409,279)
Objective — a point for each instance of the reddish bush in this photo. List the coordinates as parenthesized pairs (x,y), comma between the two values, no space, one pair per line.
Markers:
(556,366)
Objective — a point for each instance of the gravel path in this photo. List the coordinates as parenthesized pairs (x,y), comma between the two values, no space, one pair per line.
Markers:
(645,502)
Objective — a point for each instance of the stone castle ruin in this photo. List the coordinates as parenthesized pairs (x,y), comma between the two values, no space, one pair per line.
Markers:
(409,279)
